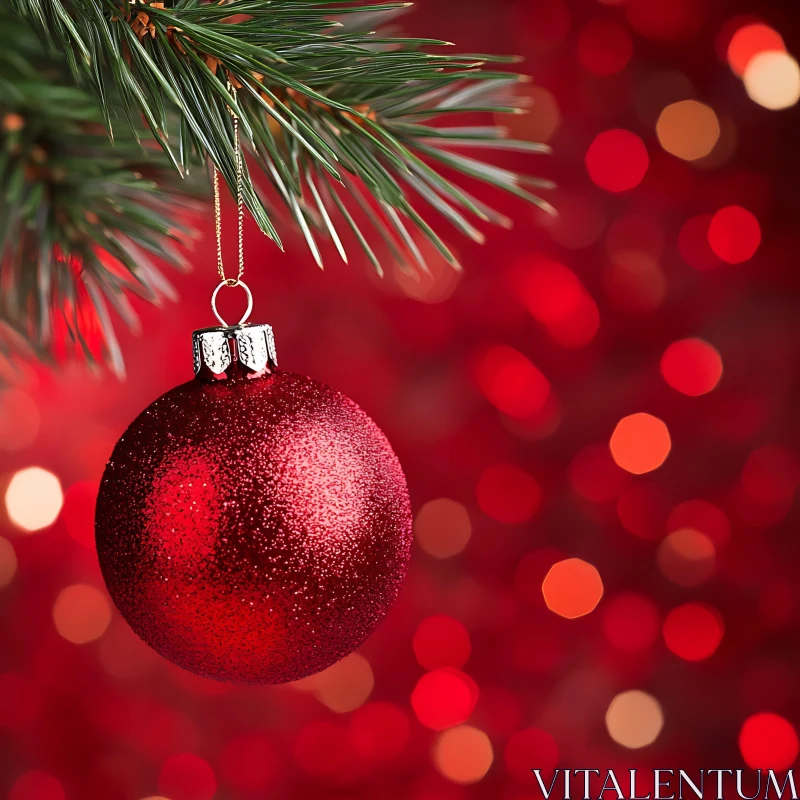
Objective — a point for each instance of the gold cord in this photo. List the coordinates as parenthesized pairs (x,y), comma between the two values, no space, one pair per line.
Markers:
(239,203)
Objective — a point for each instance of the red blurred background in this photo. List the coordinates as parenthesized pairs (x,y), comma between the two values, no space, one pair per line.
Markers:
(598,424)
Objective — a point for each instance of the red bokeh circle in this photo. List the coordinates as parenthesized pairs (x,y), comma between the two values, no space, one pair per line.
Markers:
(693,631)
(768,741)
(617,160)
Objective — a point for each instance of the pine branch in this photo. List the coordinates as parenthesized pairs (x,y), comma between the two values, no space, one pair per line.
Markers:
(80,218)
(338,117)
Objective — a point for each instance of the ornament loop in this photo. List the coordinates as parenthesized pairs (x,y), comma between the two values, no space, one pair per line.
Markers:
(231,282)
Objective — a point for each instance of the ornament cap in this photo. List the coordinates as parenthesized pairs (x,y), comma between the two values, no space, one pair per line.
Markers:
(223,352)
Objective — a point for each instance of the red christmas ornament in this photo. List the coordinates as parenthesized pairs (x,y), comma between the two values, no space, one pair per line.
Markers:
(252,525)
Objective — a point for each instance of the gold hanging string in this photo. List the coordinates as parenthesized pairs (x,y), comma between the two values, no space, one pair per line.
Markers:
(239,203)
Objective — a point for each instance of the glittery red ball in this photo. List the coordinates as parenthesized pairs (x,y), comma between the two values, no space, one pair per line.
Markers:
(253,531)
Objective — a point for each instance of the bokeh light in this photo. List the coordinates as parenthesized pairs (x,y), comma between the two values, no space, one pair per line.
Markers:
(500,392)
(734,234)
(512,383)
(540,126)
(687,557)
(773,80)
(641,509)
(771,474)
(443,698)
(693,631)
(768,741)
(752,40)
(666,20)
(557,299)
(463,754)
(346,685)
(442,528)
(379,731)
(635,282)
(81,613)
(595,476)
(688,129)
(630,621)
(508,494)
(530,746)
(37,785)
(634,719)
(572,588)
(604,47)
(441,641)
(33,499)
(19,420)
(186,776)
(691,366)
(702,516)
(617,160)
(640,443)
(694,245)
(8,562)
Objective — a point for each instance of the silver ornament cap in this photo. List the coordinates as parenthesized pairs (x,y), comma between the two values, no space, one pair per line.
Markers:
(226,351)
(222,350)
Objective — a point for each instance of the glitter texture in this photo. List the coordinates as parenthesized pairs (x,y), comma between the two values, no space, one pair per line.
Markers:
(253,531)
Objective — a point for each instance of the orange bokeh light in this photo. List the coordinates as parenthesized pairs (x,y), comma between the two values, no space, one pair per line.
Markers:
(572,588)
(687,557)
(463,754)
(346,685)
(688,129)
(640,443)
(751,40)
(81,613)
(442,528)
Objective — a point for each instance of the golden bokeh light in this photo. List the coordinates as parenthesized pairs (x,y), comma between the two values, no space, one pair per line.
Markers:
(538,126)
(33,499)
(8,562)
(572,588)
(442,528)
(640,443)
(772,80)
(634,719)
(81,613)
(346,685)
(687,557)
(688,129)
(463,754)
